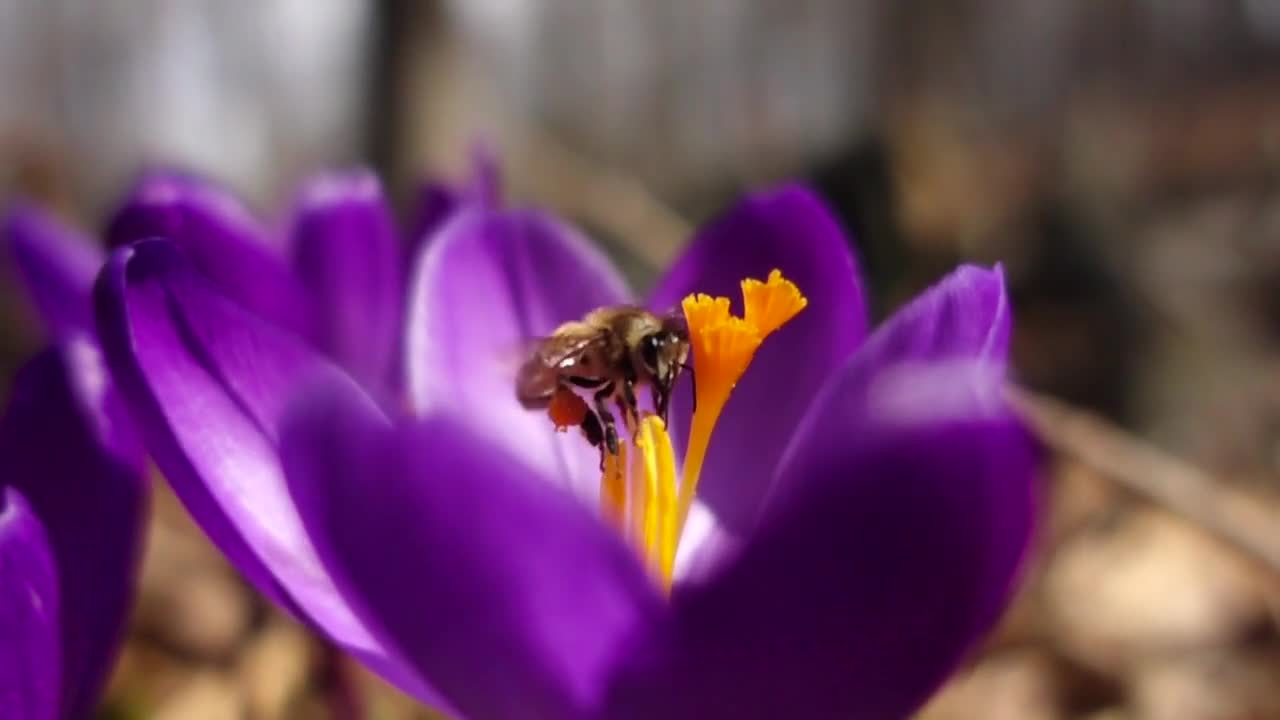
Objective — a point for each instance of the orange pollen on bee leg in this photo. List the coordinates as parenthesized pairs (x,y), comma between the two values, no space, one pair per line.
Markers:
(566,409)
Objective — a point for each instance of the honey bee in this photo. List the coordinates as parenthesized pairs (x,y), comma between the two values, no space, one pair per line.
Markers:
(608,354)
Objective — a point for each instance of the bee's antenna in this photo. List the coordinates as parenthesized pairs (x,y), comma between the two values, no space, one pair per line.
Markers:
(693,385)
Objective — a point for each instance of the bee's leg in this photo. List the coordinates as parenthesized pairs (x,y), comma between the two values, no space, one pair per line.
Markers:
(693,386)
(661,399)
(606,418)
(663,391)
(630,413)
(592,430)
(595,434)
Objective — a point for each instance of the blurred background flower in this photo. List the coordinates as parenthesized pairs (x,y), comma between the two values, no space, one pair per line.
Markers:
(73,515)
(1119,157)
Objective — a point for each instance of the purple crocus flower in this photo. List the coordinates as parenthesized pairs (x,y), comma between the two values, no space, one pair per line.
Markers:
(73,493)
(334,276)
(865,499)
(73,501)
(73,496)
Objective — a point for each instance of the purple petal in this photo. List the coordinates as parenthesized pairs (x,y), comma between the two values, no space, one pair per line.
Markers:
(56,266)
(29,649)
(485,184)
(489,285)
(206,382)
(437,201)
(962,319)
(435,204)
(964,315)
(67,445)
(223,240)
(347,253)
(859,595)
(507,596)
(789,229)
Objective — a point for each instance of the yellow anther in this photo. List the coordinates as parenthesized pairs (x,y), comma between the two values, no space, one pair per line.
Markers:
(653,479)
(644,473)
(663,543)
(613,489)
(638,499)
(639,496)
(769,305)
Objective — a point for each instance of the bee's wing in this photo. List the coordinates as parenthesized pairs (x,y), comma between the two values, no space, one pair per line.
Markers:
(568,343)
(546,357)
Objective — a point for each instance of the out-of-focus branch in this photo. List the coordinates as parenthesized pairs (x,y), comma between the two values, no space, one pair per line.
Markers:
(1249,521)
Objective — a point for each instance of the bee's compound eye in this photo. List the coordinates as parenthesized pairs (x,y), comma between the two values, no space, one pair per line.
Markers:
(649,351)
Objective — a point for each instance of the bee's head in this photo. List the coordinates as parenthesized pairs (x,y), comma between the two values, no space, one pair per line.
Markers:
(664,351)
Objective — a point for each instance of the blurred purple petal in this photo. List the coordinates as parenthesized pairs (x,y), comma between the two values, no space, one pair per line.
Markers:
(487,286)
(437,201)
(67,445)
(965,315)
(860,595)
(206,382)
(961,321)
(434,204)
(789,229)
(347,253)
(508,596)
(56,266)
(485,184)
(29,647)
(223,240)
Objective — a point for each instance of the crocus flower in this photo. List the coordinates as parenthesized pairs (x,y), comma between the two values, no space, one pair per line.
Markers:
(864,499)
(333,275)
(73,494)
(73,500)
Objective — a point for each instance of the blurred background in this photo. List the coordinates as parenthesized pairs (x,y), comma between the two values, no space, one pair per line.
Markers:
(1122,158)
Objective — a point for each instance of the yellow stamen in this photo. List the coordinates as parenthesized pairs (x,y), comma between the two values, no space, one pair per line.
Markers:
(644,471)
(639,494)
(639,497)
(665,538)
(613,489)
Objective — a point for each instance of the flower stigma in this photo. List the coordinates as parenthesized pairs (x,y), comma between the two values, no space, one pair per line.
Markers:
(723,347)
(642,493)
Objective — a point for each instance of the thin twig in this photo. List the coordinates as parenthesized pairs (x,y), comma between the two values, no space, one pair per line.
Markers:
(1248,521)
(341,693)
